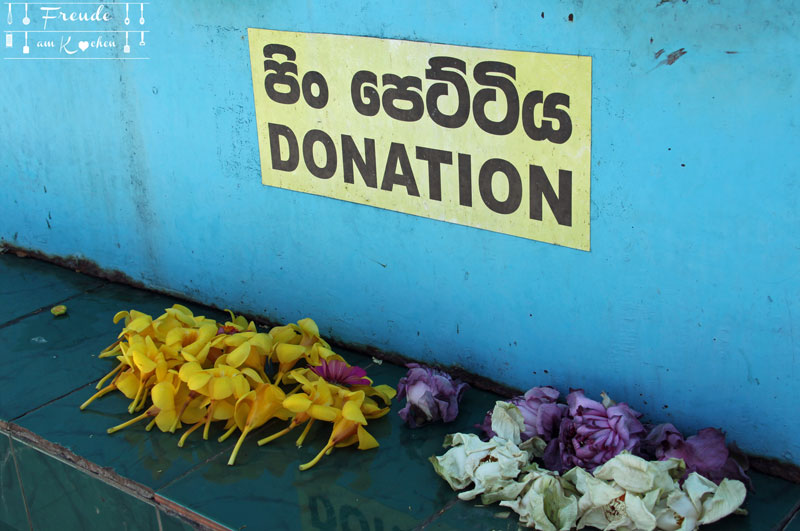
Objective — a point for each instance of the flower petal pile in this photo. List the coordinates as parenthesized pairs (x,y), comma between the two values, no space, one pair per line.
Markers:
(431,395)
(181,369)
(626,492)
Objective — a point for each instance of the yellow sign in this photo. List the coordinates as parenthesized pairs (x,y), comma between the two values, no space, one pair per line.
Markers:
(494,139)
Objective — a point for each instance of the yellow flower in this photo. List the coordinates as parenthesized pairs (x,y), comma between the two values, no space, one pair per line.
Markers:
(222,385)
(254,409)
(348,428)
(315,403)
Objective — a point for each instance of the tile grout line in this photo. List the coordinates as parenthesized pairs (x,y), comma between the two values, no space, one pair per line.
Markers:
(40,406)
(19,480)
(189,471)
(435,516)
(794,512)
(48,306)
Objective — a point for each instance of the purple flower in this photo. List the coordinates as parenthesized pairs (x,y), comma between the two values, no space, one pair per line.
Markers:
(431,395)
(339,372)
(541,413)
(704,453)
(592,433)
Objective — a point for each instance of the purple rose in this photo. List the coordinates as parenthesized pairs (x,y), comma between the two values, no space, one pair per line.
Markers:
(704,453)
(592,433)
(541,413)
(431,395)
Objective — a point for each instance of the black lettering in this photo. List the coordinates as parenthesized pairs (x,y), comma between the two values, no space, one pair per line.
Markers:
(281,75)
(435,159)
(321,99)
(437,72)
(329,521)
(403,92)
(464,180)
(367,166)
(482,75)
(372,105)
(397,154)
(491,168)
(326,171)
(560,204)
(348,512)
(550,110)
(289,163)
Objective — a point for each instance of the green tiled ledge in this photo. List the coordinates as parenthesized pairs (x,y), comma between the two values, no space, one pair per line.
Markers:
(60,496)
(70,469)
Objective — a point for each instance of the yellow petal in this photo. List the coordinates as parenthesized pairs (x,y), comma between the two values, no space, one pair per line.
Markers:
(220,388)
(386,391)
(253,375)
(120,315)
(242,409)
(140,323)
(128,383)
(165,419)
(58,310)
(262,341)
(289,353)
(365,440)
(284,334)
(326,413)
(308,326)
(352,411)
(223,410)
(144,363)
(239,354)
(188,370)
(163,395)
(297,403)
(197,381)
(240,385)
(193,415)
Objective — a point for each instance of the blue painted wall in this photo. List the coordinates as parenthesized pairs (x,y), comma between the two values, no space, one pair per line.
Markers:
(687,306)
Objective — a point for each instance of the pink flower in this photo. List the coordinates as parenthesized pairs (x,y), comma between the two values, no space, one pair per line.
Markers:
(339,372)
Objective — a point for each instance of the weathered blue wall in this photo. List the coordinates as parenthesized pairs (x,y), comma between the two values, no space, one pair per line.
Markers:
(687,306)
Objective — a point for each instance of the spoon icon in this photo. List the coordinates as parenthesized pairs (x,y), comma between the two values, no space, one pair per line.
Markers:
(10,20)
(25,20)
(127,18)
(141,20)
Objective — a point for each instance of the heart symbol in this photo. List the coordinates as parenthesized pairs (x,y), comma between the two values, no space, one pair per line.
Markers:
(83,45)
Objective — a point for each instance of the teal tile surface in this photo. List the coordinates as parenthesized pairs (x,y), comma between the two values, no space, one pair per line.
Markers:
(794,523)
(45,357)
(172,523)
(27,285)
(150,458)
(12,506)
(64,498)
(392,487)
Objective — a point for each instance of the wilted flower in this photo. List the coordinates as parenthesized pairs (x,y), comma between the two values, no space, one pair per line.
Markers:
(592,433)
(339,372)
(431,395)
(539,409)
(704,453)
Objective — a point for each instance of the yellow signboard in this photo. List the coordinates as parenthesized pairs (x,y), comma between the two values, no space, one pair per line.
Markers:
(494,139)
